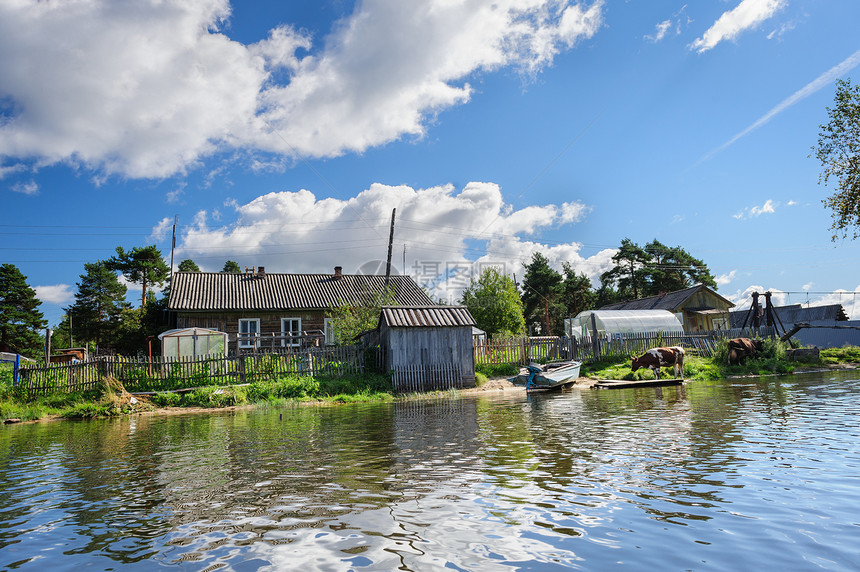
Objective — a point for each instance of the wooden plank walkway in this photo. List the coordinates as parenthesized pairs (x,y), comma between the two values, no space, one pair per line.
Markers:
(623,383)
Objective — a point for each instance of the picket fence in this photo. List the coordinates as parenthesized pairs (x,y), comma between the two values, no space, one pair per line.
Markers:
(160,373)
(527,350)
(418,377)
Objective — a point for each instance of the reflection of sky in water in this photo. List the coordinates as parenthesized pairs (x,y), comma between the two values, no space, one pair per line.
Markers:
(759,472)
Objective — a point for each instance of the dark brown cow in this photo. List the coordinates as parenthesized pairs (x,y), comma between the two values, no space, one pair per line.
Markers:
(742,348)
(656,358)
(68,356)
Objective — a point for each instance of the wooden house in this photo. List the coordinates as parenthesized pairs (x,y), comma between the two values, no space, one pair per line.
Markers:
(260,310)
(427,347)
(698,308)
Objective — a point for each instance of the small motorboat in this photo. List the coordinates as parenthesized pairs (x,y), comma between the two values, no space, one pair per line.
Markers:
(550,376)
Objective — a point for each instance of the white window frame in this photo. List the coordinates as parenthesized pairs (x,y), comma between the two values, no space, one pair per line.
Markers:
(245,339)
(328,331)
(292,342)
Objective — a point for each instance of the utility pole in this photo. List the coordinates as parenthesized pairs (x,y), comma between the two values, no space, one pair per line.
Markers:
(173,245)
(390,245)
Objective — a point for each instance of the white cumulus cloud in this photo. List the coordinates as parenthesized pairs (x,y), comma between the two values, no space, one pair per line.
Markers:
(55,294)
(748,14)
(28,188)
(769,207)
(146,89)
(727,278)
(449,235)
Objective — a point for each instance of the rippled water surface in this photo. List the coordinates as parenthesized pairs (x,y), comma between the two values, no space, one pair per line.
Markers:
(740,474)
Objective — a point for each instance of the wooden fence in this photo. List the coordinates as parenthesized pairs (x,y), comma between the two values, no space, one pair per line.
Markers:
(163,374)
(524,351)
(417,377)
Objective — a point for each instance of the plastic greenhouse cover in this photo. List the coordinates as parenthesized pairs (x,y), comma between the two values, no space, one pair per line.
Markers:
(610,322)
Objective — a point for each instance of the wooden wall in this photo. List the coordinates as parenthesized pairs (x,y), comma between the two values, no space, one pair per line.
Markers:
(409,347)
(270,322)
(699,322)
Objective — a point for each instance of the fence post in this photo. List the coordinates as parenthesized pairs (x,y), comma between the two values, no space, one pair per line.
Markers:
(594,341)
(240,367)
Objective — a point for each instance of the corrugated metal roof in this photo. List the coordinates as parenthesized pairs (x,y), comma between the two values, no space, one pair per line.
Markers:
(796,314)
(669,301)
(426,316)
(214,291)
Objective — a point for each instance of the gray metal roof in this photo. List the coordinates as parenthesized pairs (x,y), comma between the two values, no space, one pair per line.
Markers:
(795,314)
(426,316)
(670,301)
(219,291)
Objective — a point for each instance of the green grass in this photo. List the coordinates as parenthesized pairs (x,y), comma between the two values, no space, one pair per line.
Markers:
(497,370)
(770,361)
(848,354)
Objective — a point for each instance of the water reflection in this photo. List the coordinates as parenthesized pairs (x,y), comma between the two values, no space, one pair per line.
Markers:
(594,479)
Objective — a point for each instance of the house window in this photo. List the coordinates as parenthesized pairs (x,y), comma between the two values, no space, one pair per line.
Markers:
(329,331)
(291,331)
(249,332)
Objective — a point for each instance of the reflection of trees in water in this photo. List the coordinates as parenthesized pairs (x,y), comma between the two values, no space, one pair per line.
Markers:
(382,481)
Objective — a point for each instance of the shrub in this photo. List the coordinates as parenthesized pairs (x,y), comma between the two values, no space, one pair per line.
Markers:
(497,369)
(167,399)
(480,379)
(214,397)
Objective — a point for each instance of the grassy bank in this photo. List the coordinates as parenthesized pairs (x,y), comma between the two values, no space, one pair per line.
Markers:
(112,400)
(771,360)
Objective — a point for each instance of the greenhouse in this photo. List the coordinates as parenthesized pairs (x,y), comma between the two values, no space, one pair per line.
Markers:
(612,324)
(192,342)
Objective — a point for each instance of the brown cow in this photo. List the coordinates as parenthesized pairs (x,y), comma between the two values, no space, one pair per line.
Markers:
(68,356)
(656,358)
(742,348)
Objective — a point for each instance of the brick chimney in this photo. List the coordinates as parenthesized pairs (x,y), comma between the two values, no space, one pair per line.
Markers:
(261,271)
(338,272)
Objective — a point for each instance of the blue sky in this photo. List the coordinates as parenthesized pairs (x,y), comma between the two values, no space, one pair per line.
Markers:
(283,134)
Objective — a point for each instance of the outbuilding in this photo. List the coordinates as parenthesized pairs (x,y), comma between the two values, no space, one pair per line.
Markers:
(609,324)
(427,347)
(192,342)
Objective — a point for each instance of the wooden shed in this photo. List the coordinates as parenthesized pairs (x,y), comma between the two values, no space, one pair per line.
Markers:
(427,347)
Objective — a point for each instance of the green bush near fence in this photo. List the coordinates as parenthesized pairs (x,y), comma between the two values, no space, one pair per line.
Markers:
(284,387)
(497,369)
(848,354)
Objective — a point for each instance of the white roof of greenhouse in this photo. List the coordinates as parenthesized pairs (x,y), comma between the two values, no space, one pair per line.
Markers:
(631,320)
(190,332)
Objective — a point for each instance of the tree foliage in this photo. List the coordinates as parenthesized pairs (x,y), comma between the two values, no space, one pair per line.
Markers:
(494,302)
(673,269)
(144,265)
(629,273)
(656,268)
(232,266)
(542,291)
(99,302)
(20,318)
(188,265)
(577,293)
(838,150)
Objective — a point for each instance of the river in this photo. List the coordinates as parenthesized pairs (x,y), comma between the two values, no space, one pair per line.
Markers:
(743,474)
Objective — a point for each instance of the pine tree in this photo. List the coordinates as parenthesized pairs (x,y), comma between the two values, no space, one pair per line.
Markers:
(542,289)
(577,293)
(188,265)
(232,266)
(143,265)
(20,318)
(99,302)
